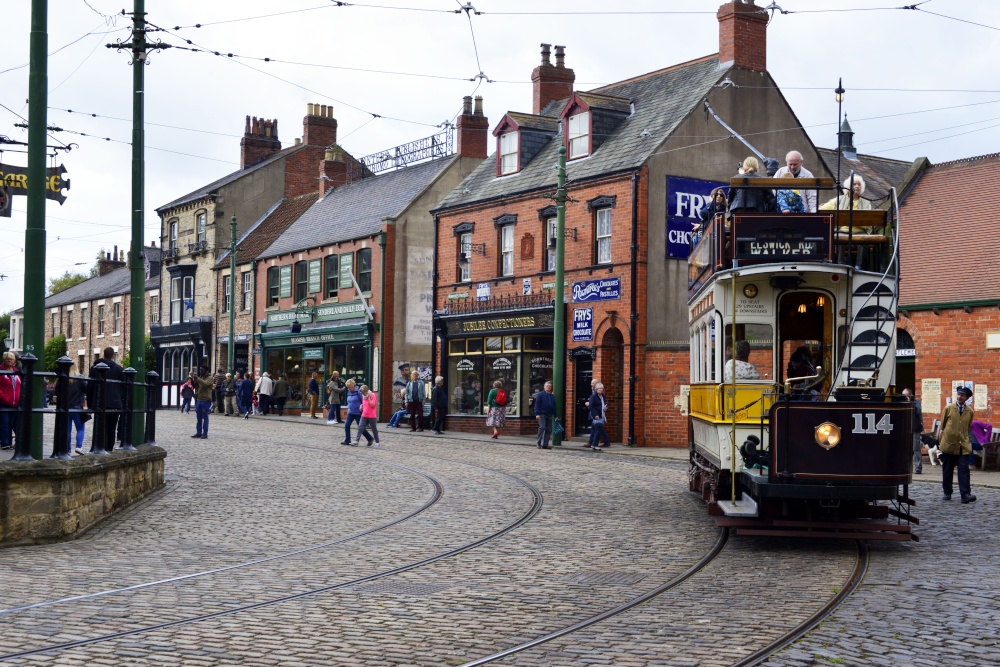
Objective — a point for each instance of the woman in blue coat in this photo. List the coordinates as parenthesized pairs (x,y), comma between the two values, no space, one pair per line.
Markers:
(353,409)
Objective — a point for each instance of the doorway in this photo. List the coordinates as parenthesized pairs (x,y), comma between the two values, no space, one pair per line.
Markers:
(583,375)
(613,378)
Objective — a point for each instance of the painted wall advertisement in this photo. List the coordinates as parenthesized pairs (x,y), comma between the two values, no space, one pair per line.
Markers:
(419,308)
(583,324)
(603,289)
(686,199)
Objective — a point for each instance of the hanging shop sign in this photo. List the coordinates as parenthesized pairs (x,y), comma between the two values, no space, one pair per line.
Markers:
(15,180)
(687,198)
(583,324)
(604,289)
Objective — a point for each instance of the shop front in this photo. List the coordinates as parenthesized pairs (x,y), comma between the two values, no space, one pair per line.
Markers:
(514,347)
(320,339)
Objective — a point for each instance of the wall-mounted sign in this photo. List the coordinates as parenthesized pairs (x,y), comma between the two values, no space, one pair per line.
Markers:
(286,317)
(603,289)
(583,324)
(584,353)
(458,296)
(15,180)
(312,353)
(483,292)
(686,199)
(346,269)
(526,286)
(539,320)
(339,311)
(315,276)
(285,281)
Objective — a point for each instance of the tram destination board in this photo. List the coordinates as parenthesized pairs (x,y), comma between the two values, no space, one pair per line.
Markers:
(783,237)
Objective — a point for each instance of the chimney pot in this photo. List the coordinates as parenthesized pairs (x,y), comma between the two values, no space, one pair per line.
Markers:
(545,54)
(560,56)
(479,105)
(467,105)
(550,83)
(322,110)
(331,154)
(309,109)
(472,129)
(247,130)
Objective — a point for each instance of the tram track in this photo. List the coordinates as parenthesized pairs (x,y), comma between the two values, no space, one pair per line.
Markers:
(535,507)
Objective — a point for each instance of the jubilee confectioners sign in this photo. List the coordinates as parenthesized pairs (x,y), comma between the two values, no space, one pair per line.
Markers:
(501,323)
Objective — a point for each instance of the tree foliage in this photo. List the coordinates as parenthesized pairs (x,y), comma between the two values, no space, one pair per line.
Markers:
(65,281)
(55,348)
(150,353)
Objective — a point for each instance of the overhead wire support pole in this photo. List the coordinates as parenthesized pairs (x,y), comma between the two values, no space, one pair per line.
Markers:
(230,351)
(34,234)
(558,297)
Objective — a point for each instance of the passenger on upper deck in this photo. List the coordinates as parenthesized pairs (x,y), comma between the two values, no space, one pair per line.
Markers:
(750,200)
(745,370)
(794,169)
(718,205)
(851,198)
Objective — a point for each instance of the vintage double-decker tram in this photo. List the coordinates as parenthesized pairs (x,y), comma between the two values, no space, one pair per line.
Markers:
(795,425)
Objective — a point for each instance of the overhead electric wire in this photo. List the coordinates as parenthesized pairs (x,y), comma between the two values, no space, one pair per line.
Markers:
(77,68)
(953,18)
(83,36)
(940,129)
(129,120)
(928,141)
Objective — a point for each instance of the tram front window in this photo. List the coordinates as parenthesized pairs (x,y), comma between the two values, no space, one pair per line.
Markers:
(754,353)
(805,330)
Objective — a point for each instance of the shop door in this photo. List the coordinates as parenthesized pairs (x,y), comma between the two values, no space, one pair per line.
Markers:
(583,376)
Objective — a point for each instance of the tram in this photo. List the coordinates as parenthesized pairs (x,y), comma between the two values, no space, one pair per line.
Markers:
(795,424)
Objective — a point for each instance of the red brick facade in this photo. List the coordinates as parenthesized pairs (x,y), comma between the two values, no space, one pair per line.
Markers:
(743,36)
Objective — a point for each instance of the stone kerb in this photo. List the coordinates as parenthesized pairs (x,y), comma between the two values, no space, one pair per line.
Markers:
(50,500)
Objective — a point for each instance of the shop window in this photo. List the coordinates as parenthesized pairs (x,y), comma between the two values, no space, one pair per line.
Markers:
(537,368)
(465,378)
(273,283)
(602,237)
(507,250)
(508,153)
(365,269)
(332,276)
(578,134)
(301,280)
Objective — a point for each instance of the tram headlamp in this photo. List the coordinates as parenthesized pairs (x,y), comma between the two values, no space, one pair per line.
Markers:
(827,435)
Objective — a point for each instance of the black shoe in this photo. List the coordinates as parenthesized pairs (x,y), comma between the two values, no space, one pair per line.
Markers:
(968,499)
(918,472)
(946,496)
(346,442)
(196,435)
(546,447)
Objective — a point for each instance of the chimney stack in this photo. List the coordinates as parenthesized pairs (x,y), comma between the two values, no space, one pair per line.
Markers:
(260,141)
(332,170)
(473,129)
(319,127)
(110,261)
(551,82)
(743,36)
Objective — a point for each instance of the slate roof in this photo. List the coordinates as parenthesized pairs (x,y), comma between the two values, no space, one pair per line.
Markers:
(270,226)
(948,235)
(357,209)
(662,100)
(610,102)
(112,283)
(533,122)
(204,191)
(880,174)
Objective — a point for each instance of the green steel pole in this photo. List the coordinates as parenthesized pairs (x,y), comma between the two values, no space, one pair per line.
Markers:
(34,235)
(381,329)
(137,294)
(232,294)
(559,325)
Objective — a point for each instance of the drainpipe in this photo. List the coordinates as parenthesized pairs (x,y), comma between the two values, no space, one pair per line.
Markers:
(434,288)
(253,317)
(634,314)
(381,321)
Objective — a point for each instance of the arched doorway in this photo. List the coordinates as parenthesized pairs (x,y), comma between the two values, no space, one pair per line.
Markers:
(611,372)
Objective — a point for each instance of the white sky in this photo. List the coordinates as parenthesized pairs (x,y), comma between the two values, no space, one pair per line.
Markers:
(876,49)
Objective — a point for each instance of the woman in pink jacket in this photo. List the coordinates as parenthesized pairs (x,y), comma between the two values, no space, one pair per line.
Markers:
(369,417)
(10,398)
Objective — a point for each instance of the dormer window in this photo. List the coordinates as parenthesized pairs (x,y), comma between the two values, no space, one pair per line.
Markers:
(508,153)
(578,134)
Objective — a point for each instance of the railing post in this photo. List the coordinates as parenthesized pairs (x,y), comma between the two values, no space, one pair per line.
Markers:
(126,413)
(23,450)
(151,389)
(60,448)
(100,423)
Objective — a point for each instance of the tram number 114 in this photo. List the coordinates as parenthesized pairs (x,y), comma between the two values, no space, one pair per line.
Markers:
(865,423)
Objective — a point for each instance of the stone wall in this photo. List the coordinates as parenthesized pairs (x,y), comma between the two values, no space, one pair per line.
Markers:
(49,500)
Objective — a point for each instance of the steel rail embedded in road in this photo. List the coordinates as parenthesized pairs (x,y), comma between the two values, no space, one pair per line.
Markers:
(536,506)
(634,602)
(435,497)
(860,569)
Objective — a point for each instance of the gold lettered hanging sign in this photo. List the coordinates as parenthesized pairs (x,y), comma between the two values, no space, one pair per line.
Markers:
(15,180)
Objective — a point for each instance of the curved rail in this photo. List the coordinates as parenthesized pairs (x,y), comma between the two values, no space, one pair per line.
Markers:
(634,602)
(860,568)
(536,506)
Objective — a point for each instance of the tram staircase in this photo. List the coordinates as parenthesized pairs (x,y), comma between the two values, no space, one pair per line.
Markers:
(872,335)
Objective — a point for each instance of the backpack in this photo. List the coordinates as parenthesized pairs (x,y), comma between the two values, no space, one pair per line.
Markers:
(501,397)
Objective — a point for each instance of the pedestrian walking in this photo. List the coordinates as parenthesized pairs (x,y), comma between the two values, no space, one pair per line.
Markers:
(353,409)
(369,417)
(593,388)
(313,392)
(497,414)
(334,397)
(545,413)
(599,417)
(264,389)
(218,393)
(918,428)
(955,445)
(204,386)
(75,400)
(415,394)
(229,389)
(280,394)
(10,399)
(187,395)
(245,394)
(439,405)
(112,397)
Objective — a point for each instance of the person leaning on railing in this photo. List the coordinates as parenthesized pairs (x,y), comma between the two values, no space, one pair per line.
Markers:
(851,198)
(750,200)
(717,205)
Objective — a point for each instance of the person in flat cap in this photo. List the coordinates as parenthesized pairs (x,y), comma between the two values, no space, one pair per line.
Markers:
(955,445)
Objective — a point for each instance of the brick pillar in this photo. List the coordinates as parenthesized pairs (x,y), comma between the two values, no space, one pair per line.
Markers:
(473,129)
(550,82)
(260,141)
(319,127)
(743,35)
(332,170)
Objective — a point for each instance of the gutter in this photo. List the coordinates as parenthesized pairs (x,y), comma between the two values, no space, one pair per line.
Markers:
(434,293)
(949,305)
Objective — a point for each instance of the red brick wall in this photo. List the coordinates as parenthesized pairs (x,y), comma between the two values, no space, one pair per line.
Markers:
(743,36)
(665,372)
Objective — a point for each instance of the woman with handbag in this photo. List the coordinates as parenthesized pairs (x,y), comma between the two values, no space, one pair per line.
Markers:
(599,415)
(497,414)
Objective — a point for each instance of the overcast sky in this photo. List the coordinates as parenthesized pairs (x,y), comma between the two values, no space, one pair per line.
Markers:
(889,60)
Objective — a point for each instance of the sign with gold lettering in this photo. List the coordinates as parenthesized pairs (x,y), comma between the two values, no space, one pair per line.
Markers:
(512,322)
(15,179)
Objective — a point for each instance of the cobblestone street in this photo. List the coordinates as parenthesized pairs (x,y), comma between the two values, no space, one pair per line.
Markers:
(272,544)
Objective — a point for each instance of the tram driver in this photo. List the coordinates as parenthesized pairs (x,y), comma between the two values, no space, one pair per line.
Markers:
(745,370)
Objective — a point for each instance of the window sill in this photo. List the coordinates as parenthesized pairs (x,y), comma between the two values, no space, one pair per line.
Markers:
(99,336)
(609,267)
(503,279)
(366,295)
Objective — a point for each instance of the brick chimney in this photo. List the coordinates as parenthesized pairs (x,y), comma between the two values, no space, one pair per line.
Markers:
(473,129)
(743,35)
(110,261)
(550,82)
(319,127)
(332,170)
(260,141)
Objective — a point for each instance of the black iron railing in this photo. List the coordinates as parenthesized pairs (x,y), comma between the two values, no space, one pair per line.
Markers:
(108,410)
(499,304)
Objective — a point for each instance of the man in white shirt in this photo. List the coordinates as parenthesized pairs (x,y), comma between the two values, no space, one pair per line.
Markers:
(794,169)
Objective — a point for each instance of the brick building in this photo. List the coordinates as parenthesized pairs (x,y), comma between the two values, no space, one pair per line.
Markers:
(949,322)
(637,180)
(346,285)
(94,314)
(195,231)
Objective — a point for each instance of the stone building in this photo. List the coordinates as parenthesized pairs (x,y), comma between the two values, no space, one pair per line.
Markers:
(637,180)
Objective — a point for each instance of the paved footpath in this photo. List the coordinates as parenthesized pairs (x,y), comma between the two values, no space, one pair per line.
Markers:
(287,533)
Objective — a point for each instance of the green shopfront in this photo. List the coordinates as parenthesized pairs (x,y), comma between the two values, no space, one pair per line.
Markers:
(319,339)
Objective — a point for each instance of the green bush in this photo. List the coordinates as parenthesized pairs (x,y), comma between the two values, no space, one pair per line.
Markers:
(150,358)
(55,348)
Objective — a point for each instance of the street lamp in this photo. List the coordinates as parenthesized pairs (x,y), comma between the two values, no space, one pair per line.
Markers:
(839,96)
